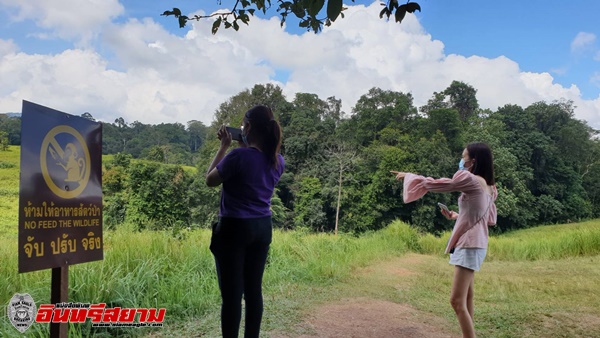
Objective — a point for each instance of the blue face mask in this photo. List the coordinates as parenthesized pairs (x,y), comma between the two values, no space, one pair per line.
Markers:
(461,165)
(244,139)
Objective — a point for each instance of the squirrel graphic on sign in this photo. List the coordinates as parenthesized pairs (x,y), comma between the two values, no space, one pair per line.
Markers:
(69,161)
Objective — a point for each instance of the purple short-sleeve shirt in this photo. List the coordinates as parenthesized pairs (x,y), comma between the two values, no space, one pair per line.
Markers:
(248,183)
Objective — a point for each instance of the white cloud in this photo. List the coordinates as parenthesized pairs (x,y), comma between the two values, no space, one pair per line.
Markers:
(154,76)
(582,42)
(7,47)
(79,20)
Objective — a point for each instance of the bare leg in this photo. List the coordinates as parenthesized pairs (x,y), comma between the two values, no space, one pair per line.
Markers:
(463,279)
(470,307)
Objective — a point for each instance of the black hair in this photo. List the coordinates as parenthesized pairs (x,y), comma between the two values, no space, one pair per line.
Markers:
(484,161)
(267,130)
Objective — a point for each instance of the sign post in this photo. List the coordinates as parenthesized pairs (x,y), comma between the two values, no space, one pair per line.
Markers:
(60,197)
(59,293)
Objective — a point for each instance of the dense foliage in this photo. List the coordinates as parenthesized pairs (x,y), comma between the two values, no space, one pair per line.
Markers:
(337,165)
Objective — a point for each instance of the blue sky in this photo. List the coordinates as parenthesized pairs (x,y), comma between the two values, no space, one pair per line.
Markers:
(122,59)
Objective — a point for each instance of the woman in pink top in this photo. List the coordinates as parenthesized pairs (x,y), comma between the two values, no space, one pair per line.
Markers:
(469,239)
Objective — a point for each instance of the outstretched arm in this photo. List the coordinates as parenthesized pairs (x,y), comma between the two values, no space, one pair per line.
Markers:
(415,186)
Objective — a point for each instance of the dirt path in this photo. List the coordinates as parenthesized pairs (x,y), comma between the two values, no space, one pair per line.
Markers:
(376,318)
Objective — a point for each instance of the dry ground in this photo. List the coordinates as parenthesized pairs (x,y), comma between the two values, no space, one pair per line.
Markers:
(372,317)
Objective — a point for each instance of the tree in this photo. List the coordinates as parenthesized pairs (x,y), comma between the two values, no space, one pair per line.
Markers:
(436,102)
(463,99)
(232,111)
(448,122)
(3,140)
(344,158)
(309,204)
(158,195)
(376,110)
(197,133)
(155,153)
(12,127)
(307,11)
(305,134)
(88,116)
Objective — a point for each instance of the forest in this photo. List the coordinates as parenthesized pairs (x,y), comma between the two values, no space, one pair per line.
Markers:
(337,163)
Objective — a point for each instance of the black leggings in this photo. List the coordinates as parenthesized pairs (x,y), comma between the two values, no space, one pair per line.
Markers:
(240,247)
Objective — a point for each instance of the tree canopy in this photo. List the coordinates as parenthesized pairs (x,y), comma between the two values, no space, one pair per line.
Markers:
(313,14)
(546,161)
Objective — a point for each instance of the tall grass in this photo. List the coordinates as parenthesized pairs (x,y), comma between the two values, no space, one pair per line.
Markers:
(153,269)
(539,243)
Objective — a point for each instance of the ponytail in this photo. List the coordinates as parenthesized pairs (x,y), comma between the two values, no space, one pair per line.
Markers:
(262,119)
(273,142)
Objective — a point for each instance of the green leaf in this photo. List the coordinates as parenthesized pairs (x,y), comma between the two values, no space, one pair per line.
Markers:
(182,21)
(400,13)
(251,11)
(216,25)
(314,7)
(304,23)
(316,26)
(298,10)
(383,12)
(176,12)
(411,7)
(236,26)
(260,5)
(334,8)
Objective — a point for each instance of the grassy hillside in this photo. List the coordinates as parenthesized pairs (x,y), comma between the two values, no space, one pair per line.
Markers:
(9,190)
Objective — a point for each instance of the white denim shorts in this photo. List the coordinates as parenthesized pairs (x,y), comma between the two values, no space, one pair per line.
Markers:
(470,258)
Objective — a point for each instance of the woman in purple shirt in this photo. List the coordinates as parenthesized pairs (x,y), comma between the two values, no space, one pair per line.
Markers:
(240,240)
(477,210)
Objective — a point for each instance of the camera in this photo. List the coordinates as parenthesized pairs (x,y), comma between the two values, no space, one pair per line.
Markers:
(236,133)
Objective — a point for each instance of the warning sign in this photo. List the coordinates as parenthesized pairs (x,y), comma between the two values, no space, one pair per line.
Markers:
(60,197)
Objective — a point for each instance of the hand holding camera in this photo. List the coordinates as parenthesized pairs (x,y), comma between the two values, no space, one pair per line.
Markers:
(224,136)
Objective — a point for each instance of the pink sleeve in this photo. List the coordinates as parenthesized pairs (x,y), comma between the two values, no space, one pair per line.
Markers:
(415,186)
(493,215)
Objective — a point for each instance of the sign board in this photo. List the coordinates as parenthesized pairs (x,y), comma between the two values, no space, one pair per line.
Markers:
(60,197)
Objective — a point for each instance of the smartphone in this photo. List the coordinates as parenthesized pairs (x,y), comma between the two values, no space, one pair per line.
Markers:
(236,133)
(444,207)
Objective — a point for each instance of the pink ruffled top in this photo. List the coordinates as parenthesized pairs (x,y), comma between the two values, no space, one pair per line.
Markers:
(477,208)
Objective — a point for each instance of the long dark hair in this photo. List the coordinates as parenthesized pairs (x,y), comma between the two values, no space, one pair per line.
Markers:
(267,130)
(484,161)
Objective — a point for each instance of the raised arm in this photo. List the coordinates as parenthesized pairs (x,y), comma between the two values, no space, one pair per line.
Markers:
(415,186)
